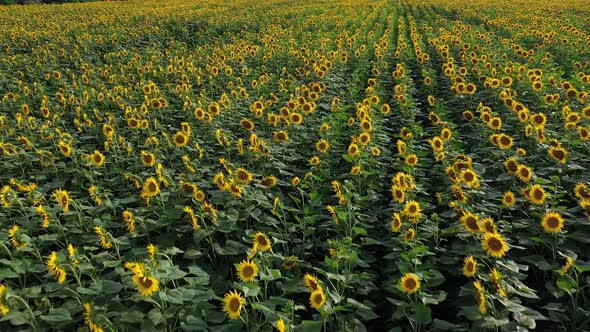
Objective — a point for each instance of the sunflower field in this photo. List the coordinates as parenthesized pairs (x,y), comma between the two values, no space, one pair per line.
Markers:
(282,165)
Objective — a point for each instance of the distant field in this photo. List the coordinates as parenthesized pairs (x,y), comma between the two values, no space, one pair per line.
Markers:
(295,166)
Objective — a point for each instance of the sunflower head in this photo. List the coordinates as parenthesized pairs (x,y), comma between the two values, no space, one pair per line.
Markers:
(247,271)
(233,303)
(552,222)
(409,283)
(261,241)
(317,299)
(494,245)
(469,266)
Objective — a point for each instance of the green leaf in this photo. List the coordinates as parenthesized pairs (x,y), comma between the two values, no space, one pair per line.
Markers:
(423,313)
(111,287)
(566,284)
(57,315)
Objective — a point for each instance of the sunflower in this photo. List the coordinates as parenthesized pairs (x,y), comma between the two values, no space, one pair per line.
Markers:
(281,136)
(151,187)
(558,153)
(146,285)
(581,191)
(436,143)
(54,268)
(469,266)
(233,303)
(148,159)
(480,296)
(398,194)
(96,158)
(243,176)
(364,138)
(269,181)
(412,210)
(468,116)
(536,194)
(311,282)
(247,124)
(64,148)
(411,160)
(353,150)
(180,139)
(524,173)
(469,177)
(409,283)
(446,134)
(505,142)
(317,299)
(396,222)
(409,235)
(401,147)
(509,199)
(296,118)
(539,120)
(63,199)
(494,244)
(470,221)
(552,222)
(247,271)
(261,241)
(280,325)
(567,266)
(322,146)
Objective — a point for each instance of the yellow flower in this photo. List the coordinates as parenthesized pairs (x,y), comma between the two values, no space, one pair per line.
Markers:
(192,218)
(54,269)
(261,241)
(552,222)
(568,265)
(412,210)
(63,199)
(151,187)
(280,325)
(180,139)
(470,221)
(243,176)
(469,266)
(104,241)
(536,194)
(97,158)
(4,309)
(494,244)
(558,153)
(311,282)
(480,297)
(409,283)
(14,238)
(322,146)
(396,223)
(247,271)
(148,159)
(317,299)
(509,199)
(411,160)
(146,285)
(233,303)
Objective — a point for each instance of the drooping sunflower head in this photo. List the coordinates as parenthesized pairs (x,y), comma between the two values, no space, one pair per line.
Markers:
(146,285)
(261,241)
(311,282)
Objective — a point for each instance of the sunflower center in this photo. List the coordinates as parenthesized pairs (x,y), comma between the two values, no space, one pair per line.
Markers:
(538,194)
(504,140)
(262,241)
(469,266)
(243,176)
(248,271)
(317,299)
(179,139)
(412,209)
(234,304)
(147,159)
(558,154)
(152,187)
(468,176)
(146,282)
(410,284)
(553,222)
(471,223)
(495,244)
